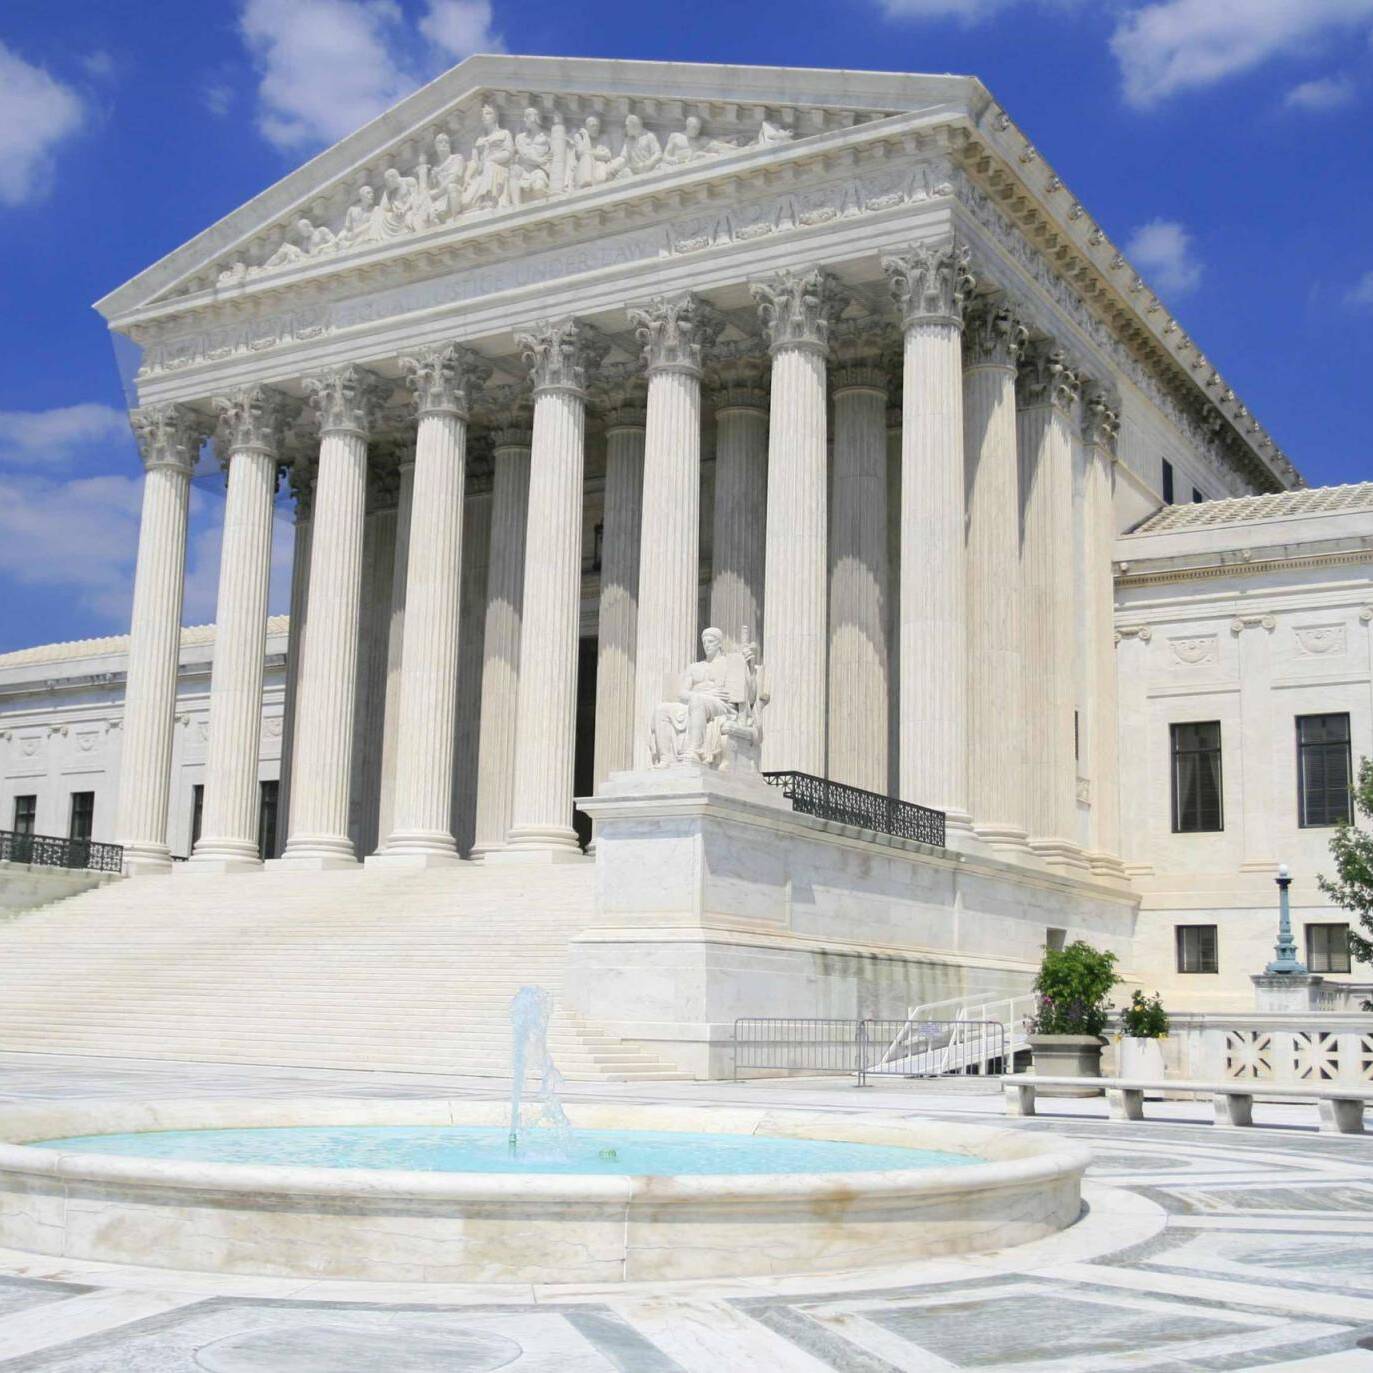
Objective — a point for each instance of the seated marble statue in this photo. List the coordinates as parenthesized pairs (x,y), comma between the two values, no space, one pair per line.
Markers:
(717,703)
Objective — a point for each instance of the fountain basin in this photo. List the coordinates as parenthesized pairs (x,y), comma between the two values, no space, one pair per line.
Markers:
(412,1226)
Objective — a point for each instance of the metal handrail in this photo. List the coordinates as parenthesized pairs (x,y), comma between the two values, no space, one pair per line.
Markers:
(50,851)
(869,810)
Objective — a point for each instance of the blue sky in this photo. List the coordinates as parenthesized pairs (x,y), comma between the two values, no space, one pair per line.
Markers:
(1225,143)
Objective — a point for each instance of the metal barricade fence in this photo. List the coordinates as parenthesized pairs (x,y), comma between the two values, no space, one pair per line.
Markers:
(869,1048)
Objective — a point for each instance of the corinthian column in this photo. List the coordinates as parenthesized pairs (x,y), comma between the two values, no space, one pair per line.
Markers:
(993,340)
(501,641)
(741,496)
(673,334)
(858,657)
(558,355)
(303,487)
(930,284)
(169,439)
(1100,424)
(395,641)
(1047,395)
(346,400)
(422,824)
(618,724)
(250,437)
(796,308)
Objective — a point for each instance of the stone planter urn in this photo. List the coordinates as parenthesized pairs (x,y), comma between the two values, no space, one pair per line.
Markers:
(1067,1056)
(1141,1059)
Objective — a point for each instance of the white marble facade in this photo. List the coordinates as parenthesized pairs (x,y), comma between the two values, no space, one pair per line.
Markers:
(567,300)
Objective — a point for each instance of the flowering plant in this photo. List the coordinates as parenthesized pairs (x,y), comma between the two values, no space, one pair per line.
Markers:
(1073,985)
(1144,1017)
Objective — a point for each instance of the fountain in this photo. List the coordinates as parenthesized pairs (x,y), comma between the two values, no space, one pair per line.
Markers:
(530,1013)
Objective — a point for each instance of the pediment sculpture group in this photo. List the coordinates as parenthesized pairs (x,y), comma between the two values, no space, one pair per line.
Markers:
(504,170)
(714,716)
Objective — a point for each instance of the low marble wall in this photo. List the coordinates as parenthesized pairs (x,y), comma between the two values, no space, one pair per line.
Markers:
(436,1227)
(26,886)
(715,901)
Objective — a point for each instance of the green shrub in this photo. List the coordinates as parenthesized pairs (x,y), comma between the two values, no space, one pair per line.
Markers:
(1144,1017)
(1073,987)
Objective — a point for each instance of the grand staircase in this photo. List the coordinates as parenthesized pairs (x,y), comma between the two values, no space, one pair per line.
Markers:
(359,969)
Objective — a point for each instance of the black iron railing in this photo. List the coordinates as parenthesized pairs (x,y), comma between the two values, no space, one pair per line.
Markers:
(48,851)
(869,810)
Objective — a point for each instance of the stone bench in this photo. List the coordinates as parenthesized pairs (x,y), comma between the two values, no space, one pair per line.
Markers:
(1341,1108)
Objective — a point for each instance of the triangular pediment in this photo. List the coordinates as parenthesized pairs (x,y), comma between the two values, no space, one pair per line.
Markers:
(502,135)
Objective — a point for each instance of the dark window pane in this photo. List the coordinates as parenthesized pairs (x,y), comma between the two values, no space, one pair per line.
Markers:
(82,815)
(1167,482)
(25,814)
(1327,948)
(1197,786)
(267,819)
(197,812)
(1198,949)
(1324,769)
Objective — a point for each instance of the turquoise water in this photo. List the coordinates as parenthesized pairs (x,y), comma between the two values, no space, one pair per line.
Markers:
(486,1149)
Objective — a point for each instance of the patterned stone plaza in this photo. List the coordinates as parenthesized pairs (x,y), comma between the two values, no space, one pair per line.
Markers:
(1199,1251)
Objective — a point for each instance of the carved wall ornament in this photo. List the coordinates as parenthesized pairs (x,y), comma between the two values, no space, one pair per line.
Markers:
(931,282)
(169,435)
(1045,378)
(1366,615)
(1242,622)
(442,378)
(253,417)
(1318,641)
(347,399)
(796,307)
(675,333)
(993,334)
(1144,633)
(1100,418)
(559,353)
(1195,650)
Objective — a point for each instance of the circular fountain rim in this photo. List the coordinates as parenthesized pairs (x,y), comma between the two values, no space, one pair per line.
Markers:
(1034,1159)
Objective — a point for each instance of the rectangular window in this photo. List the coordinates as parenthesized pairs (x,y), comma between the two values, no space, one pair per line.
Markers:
(1197,497)
(1323,770)
(1167,482)
(197,813)
(1197,778)
(82,815)
(267,819)
(1327,948)
(1197,949)
(25,814)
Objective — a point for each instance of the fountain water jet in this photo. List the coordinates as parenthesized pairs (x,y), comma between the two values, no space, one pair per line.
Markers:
(530,1012)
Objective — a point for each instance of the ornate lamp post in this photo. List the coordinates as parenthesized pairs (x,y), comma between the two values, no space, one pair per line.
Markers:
(1286,961)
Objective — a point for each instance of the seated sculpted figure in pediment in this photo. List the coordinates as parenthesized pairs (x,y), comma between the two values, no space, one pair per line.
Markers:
(715,716)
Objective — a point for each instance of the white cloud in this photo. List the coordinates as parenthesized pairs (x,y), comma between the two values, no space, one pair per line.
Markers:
(969,11)
(1324,93)
(54,437)
(36,113)
(1162,250)
(326,66)
(1176,45)
(461,27)
(1362,291)
(218,98)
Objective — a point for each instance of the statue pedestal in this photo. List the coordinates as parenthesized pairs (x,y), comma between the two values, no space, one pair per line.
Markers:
(1286,993)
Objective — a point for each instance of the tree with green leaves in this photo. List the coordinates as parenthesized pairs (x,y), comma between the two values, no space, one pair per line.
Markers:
(1352,849)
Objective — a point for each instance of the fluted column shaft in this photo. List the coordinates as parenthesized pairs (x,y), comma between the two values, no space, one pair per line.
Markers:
(501,641)
(741,494)
(169,437)
(796,309)
(395,647)
(858,658)
(476,559)
(322,775)
(617,723)
(229,824)
(300,588)
(1048,391)
(1100,422)
(546,719)
(996,719)
(422,827)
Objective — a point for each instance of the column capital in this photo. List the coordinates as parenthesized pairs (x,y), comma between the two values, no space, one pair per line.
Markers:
(931,282)
(1100,418)
(169,435)
(629,413)
(559,353)
(516,434)
(797,307)
(441,378)
(252,417)
(347,399)
(994,335)
(1045,378)
(858,377)
(675,332)
(738,376)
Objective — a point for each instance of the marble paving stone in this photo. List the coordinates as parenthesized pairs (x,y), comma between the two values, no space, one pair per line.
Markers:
(20,1294)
